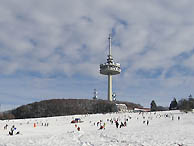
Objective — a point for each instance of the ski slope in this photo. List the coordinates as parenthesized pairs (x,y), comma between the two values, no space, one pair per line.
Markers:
(164,129)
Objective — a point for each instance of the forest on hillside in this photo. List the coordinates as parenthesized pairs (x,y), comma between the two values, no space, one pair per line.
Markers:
(63,107)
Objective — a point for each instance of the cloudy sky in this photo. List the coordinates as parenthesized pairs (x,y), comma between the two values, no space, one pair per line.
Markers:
(53,48)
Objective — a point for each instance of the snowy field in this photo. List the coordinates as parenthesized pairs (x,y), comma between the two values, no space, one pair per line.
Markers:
(163,129)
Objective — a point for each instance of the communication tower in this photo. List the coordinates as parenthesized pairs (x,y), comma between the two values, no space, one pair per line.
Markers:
(95,94)
(114,96)
(110,68)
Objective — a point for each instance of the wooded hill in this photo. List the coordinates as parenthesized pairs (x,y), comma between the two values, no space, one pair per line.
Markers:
(62,107)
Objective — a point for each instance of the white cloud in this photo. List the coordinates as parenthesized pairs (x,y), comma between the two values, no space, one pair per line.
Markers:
(189,62)
(70,38)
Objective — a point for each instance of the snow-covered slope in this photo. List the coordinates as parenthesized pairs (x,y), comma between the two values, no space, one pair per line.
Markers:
(163,129)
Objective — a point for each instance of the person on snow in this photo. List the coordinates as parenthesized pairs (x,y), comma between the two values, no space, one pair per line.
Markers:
(117,124)
(147,122)
(125,123)
(11,130)
(101,127)
(122,125)
(5,127)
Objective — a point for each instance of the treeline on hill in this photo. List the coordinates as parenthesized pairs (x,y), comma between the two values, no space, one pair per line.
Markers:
(186,104)
(62,107)
(154,107)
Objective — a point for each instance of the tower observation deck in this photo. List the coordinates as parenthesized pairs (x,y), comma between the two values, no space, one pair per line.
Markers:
(110,68)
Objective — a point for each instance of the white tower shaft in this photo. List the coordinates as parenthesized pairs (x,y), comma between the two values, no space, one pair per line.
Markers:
(110,76)
(109,87)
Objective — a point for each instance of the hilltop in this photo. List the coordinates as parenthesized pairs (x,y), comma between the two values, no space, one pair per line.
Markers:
(63,107)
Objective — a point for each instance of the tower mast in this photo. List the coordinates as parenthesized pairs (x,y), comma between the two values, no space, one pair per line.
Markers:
(110,68)
(110,44)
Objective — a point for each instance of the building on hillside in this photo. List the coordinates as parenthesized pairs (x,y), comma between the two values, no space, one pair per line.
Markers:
(121,107)
(141,110)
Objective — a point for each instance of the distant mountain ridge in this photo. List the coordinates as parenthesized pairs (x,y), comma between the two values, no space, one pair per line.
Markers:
(62,107)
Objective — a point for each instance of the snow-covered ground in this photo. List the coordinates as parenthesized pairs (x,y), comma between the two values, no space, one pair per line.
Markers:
(164,129)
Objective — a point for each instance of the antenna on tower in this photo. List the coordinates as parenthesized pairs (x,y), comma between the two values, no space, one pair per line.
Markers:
(110,43)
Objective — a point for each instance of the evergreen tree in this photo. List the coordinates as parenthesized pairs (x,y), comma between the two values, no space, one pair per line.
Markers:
(173,105)
(153,106)
(185,105)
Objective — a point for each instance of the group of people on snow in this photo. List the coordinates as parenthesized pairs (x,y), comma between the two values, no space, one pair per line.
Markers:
(13,130)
